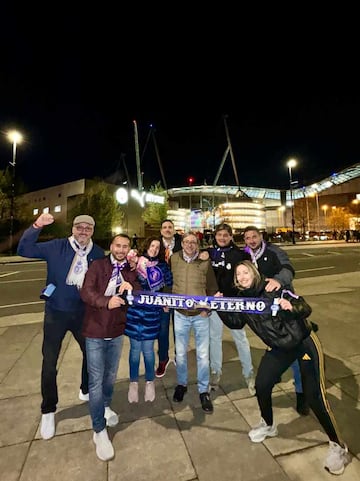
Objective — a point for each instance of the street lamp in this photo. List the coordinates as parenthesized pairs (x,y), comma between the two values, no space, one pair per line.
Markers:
(291,164)
(15,138)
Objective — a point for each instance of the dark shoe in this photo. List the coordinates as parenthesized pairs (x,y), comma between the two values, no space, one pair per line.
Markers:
(179,393)
(206,403)
(302,405)
(161,370)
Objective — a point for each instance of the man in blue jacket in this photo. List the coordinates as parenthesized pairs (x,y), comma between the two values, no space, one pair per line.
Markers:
(67,262)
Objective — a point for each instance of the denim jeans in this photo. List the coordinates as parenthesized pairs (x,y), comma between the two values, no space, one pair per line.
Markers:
(103,356)
(183,326)
(56,324)
(241,343)
(147,349)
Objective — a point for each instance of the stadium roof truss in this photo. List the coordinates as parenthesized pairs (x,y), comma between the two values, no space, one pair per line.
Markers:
(261,193)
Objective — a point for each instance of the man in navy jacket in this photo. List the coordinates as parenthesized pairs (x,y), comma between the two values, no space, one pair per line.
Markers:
(67,262)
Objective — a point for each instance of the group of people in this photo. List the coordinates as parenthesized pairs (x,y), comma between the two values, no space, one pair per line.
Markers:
(91,299)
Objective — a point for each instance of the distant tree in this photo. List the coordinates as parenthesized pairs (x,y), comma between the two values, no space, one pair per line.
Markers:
(99,201)
(339,218)
(5,183)
(301,215)
(154,213)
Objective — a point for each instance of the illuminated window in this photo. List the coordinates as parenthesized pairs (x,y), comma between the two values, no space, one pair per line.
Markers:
(46,210)
(35,211)
(57,208)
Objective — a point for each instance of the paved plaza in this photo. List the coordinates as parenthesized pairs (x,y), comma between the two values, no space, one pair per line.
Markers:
(179,442)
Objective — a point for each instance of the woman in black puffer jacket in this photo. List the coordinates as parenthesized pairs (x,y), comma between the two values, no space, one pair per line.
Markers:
(289,336)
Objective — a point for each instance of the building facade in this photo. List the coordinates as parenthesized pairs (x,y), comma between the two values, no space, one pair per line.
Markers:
(201,207)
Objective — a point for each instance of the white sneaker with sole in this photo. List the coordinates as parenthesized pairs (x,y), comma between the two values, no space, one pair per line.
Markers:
(149,391)
(262,431)
(336,458)
(133,394)
(111,417)
(82,396)
(104,448)
(47,429)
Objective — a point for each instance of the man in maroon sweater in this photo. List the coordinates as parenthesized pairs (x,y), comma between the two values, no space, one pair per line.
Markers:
(103,292)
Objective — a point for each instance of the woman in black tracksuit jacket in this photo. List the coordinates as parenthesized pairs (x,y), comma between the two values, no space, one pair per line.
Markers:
(289,336)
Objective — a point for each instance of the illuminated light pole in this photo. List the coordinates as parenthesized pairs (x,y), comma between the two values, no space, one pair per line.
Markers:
(325,208)
(307,210)
(15,138)
(315,186)
(291,164)
(281,210)
(214,217)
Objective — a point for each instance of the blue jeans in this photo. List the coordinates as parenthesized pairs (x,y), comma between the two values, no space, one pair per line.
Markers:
(241,343)
(200,325)
(147,349)
(103,356)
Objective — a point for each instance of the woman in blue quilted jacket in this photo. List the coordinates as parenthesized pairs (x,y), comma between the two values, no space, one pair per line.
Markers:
(143,323)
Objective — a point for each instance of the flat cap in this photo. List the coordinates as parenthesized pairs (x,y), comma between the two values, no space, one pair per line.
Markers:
(87,219)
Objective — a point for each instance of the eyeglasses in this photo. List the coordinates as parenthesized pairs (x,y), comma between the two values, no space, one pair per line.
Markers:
(83,229)
(189,242)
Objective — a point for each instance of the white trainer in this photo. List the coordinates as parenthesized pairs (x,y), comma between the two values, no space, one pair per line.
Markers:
(262,431)
(336,458)
(47,429)
(250,381)
(133,394)
(82,396)
(104,448)
(111,417)
(149,391)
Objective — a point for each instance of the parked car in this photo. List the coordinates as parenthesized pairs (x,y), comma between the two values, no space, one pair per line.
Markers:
(316,235)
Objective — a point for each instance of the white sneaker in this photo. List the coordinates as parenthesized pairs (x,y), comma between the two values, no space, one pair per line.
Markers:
(133,394)
(111,417)
(336,458)
(262,431)
(47,429)
(250,381)
(149,391)
(104,448)
(82,396)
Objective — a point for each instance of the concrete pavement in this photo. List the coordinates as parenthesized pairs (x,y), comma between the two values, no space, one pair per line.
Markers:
(179,442)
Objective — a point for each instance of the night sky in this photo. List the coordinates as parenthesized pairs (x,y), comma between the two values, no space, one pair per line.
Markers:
(73,89)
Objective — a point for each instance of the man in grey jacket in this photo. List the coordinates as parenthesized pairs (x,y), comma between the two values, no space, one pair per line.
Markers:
(192,277)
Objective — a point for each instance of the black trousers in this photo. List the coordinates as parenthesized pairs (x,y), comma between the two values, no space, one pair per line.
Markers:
(56,325)
(311,359)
